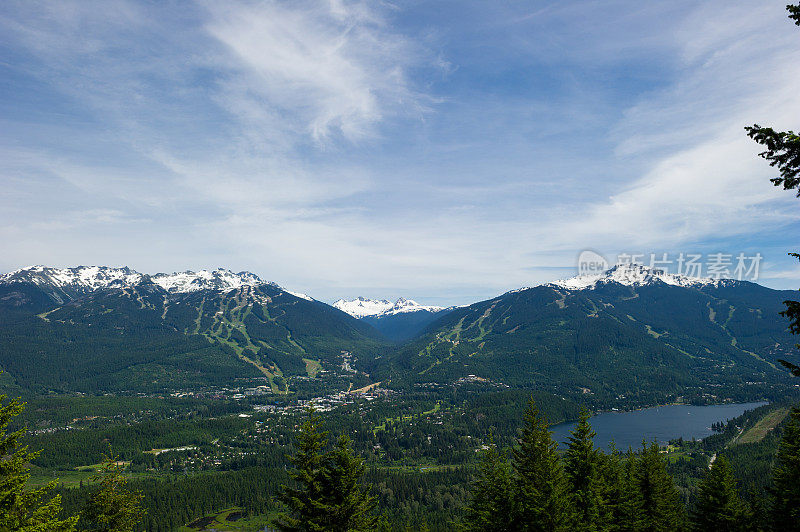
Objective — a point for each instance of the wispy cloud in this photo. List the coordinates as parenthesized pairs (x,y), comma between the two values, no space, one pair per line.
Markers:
(334,67)
(362,147)
(704,179)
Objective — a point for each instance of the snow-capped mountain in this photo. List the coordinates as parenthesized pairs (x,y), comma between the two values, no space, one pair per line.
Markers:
(630,322)
(177,330)
(81,278)
(85,279)
(219,279)
(398,321)
(361,307)
(635,275)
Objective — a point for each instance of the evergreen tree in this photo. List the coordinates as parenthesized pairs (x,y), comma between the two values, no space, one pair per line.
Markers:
(625,497)
(662,509)
(785,508)
(541,497)
(21,509)
(328,495)
(491,507)
(113,508)
(583,477)
(610,490)
(306,510)
(718,507)
(794,13)
(757,508)
(783,151)
(348,506)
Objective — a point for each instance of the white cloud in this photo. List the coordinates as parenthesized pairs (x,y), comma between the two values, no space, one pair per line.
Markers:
(334,67)
(284,137)
(704,178)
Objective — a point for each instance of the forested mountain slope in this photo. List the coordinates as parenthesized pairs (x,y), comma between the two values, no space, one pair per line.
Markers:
(138,335)
(614,336)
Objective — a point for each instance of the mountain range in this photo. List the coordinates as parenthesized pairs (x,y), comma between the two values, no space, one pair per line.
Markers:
(68,283)
(630,333)
(90,328)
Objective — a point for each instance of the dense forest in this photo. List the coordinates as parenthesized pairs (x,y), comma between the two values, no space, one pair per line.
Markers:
(528,484)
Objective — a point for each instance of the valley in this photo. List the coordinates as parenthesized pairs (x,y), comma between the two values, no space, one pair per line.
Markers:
(204,378)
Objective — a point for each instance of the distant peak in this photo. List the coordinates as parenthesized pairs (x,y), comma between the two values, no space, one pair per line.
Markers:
(362,307)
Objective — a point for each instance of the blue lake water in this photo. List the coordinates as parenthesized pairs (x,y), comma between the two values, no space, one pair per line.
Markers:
(662,423)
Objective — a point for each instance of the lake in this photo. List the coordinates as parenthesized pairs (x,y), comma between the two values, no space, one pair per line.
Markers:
(663,423)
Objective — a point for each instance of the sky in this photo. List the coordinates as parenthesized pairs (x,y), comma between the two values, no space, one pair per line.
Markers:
(444,151)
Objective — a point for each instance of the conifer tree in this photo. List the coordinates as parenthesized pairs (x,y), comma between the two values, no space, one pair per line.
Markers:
(718,507)
(785,507)
(541,497)
(757,507)
(348,505)
(114,508)
(21,509)
(662,509)
(581,465)
(306,511)
(328,494)
(782,150)
(491,507)
(626,499)
(609,489)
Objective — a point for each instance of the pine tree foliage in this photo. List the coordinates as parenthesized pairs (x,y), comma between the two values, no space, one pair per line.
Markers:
(21,509)
(785,509)
(306,510)
(328,494)
(783,151)
(718,507)
(348,505)
(581,465)
(662,508)
(584,490)
(114,508)
(491,507)
(541,496)
(628,514)
(794,13)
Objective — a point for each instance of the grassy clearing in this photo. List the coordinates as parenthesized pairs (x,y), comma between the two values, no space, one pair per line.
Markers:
(382,426)
(763,426)
(313,367)
(417,468)
(674,456)
(653,333)
(228,520)
(72,477)
(366,388)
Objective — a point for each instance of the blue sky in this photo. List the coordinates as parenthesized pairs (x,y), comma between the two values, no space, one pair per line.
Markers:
(445,151)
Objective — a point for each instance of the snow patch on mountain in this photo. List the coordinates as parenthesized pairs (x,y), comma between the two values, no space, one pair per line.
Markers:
(361,307)
(219,279)
(85,278)
(634,275)
(300,295)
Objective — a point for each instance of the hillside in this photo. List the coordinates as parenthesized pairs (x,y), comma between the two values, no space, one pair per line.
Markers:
(134,334)
(630,333)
